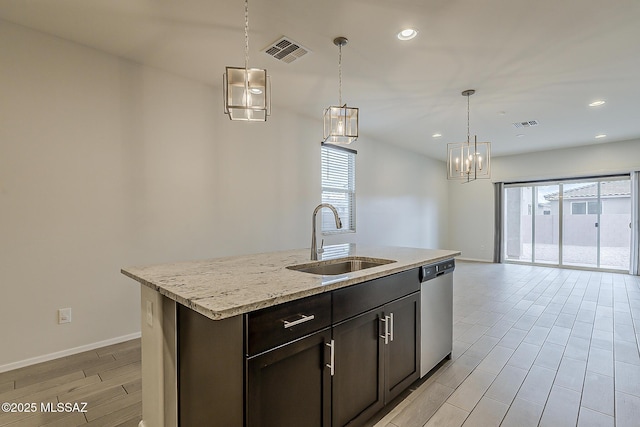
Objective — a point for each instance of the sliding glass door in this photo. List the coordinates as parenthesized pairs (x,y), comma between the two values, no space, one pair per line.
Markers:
(546,231)
(582,223)
(531,231)
(518,221)
(614,225)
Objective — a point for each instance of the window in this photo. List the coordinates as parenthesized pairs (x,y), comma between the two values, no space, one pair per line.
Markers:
(582,208)
(578,208)
(338,188)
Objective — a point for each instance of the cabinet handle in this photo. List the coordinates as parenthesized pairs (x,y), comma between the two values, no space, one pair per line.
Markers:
(332,357)
(302,319)
(391,326)
(385,319)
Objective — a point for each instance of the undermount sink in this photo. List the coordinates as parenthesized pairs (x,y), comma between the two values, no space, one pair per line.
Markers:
(336,266)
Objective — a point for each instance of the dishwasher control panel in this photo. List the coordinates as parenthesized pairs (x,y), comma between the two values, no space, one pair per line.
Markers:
(428,272)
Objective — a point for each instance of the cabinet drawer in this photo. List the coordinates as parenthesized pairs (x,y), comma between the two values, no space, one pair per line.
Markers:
(277,325)
(356,299)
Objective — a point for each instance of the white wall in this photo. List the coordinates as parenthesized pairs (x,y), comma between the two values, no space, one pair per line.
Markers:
(105,164)
(471,218)
(402,198)
(471,227)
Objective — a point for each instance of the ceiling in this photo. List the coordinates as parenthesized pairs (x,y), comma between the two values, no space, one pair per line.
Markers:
(542,60)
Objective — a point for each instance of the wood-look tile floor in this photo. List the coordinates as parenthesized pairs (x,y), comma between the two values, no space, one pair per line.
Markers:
(532,346)
(107,379)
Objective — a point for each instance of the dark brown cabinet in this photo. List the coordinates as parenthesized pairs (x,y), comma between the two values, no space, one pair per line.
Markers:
(402,356)
(329,360)
(288,383)
(358,390)
(291,385)
(376,358)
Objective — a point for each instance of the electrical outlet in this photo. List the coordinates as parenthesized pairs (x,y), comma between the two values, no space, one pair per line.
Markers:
(149,313)
(64,315)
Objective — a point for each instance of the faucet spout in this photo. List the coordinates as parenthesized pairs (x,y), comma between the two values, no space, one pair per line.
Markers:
(314,249)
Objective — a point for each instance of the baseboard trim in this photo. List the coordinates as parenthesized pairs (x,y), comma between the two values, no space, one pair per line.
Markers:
(68,352)
(474,260)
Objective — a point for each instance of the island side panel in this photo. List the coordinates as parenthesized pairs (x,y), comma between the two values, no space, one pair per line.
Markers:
(170,362)
(159,386)
(210,370)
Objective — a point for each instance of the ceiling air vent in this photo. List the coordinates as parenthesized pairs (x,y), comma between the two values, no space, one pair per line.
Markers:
(286,50)
(528,124)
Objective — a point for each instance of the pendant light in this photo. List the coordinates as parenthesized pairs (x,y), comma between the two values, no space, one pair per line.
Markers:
(468,161)
(340,122)
(247,91)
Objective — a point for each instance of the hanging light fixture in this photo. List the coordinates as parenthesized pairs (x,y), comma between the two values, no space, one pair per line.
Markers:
(247,91)
(340,122)
(469,161)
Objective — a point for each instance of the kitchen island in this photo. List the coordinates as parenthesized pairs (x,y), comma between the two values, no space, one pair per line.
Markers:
(216,334)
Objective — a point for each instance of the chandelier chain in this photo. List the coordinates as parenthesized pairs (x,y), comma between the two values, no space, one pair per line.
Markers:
(468,135)
(340,74)
(246,34)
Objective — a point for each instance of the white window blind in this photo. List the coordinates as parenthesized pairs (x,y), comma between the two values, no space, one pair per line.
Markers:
(339,188)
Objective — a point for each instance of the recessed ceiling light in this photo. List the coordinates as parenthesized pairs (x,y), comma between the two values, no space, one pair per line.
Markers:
(407,34)
(597,103)
(601,135)
(520,135)
(436,135)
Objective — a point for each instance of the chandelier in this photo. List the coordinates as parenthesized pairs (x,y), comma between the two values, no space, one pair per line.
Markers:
(247,91)
(340,122)
(468,161)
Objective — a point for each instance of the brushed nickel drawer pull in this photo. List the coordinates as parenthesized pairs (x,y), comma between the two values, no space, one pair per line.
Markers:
(332,357)
(302,319)
(385,319)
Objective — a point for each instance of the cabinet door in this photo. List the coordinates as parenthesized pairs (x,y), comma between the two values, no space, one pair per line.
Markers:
(402,353)
(358,392)
(290,386)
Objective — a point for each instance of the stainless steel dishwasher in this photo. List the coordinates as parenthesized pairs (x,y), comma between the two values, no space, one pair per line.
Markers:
(436,313)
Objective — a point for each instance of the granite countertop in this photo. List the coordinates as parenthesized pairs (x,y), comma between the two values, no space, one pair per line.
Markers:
(224,287)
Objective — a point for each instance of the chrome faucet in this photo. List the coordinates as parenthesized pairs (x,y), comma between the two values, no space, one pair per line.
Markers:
(314,250)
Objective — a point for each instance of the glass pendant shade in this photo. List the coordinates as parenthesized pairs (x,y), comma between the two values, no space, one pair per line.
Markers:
(247,94)
(340,125)
(469,161)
